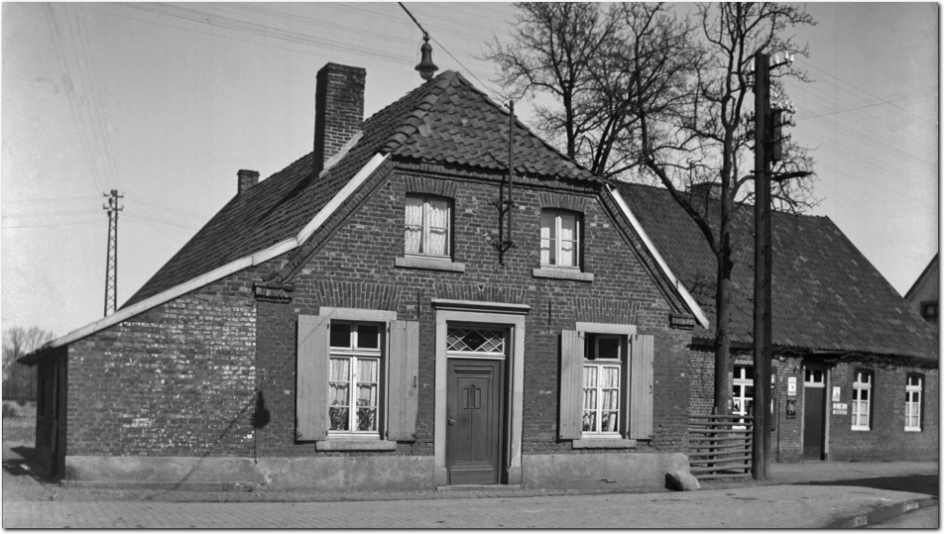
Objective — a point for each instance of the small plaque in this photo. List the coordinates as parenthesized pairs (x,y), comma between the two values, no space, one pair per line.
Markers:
(791,409)
(837,393)
(684,322)
(792,388)
(840,408)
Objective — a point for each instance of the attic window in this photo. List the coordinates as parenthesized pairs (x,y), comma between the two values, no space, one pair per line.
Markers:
(428,227)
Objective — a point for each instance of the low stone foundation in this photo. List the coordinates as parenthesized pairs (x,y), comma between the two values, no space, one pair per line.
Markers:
(644,471)
(641,472)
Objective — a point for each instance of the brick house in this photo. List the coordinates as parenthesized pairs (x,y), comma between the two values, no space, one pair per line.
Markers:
(351,322)
(856,366)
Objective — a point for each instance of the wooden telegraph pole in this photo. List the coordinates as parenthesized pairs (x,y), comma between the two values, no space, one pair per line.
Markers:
(763,150)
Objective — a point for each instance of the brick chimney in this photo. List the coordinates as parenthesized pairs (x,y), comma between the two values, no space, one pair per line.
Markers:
(246,179)
(339,109)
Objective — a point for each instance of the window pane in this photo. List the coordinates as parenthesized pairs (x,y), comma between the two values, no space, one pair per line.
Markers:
(608,347)
(413,240)
(567,256)
(568,228)
(610,377)
(438,240)
(368,336)
(339,377)
(590,376)
(864,395)
(748,372)
(414,211)
(589,421)
(548,238)
(367,419)
(610,422)
(438,214)
(341,335)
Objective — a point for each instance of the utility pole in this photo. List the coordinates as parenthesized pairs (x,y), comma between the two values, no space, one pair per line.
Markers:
(762,265)
(111,257)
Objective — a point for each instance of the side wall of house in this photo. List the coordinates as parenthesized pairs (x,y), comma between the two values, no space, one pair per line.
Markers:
(177,380)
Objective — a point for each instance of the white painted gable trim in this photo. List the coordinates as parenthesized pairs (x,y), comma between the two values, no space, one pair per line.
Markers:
(686,296)
(230,268)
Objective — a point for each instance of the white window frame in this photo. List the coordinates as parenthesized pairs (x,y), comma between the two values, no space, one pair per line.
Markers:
(863,382)
(424,239)
(353,352)
(556,241)
(740,383)
(620,363)
(913,397)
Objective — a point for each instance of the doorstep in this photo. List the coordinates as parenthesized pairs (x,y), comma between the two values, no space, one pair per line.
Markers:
(479,487)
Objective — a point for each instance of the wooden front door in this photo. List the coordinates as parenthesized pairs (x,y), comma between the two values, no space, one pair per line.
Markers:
(814,408)
(474,421)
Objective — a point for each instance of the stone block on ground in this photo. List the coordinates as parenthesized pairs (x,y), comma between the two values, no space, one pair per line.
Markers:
(681,481)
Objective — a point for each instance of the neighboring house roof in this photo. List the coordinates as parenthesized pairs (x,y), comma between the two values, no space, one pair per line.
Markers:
(445,120)
(929,271)
(826,294)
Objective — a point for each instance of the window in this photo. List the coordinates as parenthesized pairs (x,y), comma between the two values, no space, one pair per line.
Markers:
(428,222)
(743,397)
(929,311)
(861,400)
(603,371)
(347,397)
(560,238)
(913,386)
(354,371)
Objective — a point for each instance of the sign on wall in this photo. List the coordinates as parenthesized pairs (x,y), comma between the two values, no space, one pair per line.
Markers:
(836,393)
(792,388)
(791,408)
(840,408)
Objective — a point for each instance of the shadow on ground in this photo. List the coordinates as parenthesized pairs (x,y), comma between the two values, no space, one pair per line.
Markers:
(927,484)
(23,463)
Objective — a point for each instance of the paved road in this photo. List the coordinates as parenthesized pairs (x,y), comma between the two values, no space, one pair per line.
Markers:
(924,518)
(754,507)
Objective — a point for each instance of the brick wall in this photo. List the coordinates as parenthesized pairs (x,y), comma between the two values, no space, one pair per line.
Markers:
(360,254)
(176,380)
(213,372)
(885,441)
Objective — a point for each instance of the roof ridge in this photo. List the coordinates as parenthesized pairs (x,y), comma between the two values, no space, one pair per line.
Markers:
(434,89)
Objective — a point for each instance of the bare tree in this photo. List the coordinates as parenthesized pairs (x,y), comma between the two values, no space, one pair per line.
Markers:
(705,135)
(643,94)
(553,49)
(19,341)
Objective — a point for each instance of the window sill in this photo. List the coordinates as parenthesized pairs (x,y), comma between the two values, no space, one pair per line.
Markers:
(604,443)
(431,264)
(912,429)
(860,429)
(355,445)
(562,274)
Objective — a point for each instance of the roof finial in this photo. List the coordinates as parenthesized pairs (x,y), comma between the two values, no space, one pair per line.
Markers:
(426,67)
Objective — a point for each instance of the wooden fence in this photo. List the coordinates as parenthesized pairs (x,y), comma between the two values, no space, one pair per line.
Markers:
(720,446)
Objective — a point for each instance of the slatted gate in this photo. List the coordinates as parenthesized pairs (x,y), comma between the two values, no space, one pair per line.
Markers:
(720,446)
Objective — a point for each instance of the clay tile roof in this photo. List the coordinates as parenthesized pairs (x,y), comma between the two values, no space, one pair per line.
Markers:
(826,294)
(444,120)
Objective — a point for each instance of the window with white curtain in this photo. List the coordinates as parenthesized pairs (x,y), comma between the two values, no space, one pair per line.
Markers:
(603,366)
(428,226)
(560,238)
(354,379)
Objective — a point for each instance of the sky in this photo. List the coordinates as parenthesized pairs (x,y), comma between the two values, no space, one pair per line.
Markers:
(165,102)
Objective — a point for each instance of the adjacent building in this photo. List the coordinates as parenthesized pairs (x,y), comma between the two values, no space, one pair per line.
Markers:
(925,293)
(856,367)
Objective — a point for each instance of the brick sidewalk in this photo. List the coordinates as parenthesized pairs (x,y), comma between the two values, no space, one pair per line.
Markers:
(776,506)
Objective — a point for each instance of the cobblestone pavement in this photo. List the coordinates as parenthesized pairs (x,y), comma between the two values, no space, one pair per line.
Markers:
(753,507)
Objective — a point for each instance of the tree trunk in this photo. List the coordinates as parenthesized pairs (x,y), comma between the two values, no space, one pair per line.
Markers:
(723,383)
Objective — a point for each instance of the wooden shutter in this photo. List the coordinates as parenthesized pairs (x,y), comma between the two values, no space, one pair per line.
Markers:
(640,388)
(571,384)
(311,379)
(403,390)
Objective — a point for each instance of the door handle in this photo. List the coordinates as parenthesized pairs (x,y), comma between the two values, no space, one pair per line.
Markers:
(451,421)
